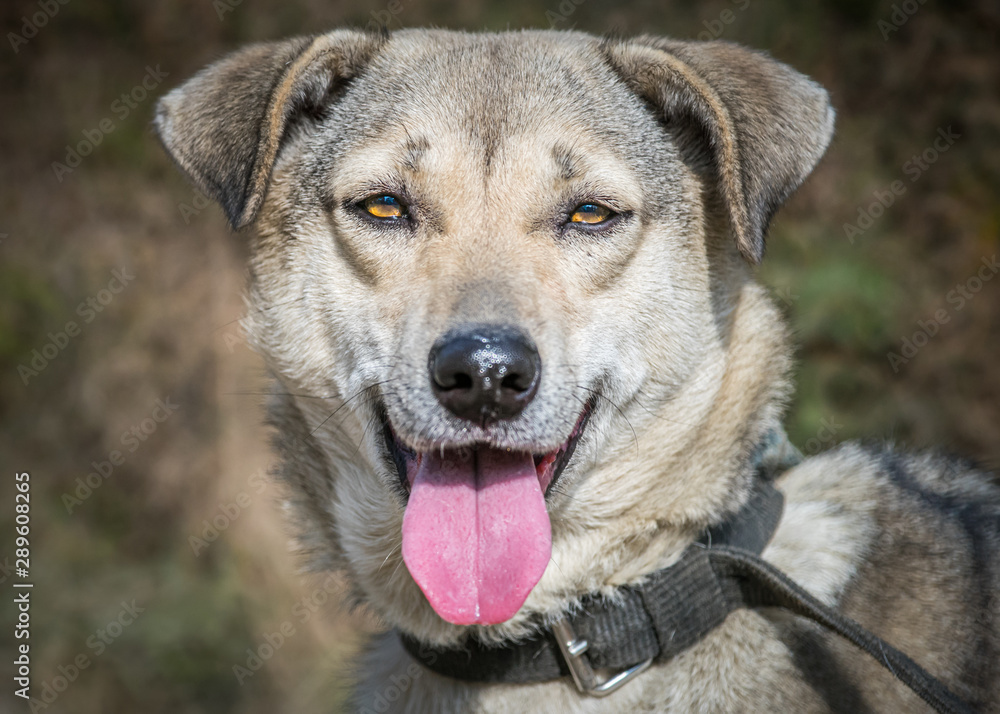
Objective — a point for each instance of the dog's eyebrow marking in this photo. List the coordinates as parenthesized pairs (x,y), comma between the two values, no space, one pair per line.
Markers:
(413,151)
(567,163)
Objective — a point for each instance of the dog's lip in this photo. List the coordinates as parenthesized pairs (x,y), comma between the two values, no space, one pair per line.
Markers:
(549,465)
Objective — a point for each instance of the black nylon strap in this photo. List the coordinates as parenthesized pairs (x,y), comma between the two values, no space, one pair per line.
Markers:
(678,606)
(752,582)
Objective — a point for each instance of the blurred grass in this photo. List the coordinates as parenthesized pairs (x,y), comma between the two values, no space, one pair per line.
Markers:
(171,333)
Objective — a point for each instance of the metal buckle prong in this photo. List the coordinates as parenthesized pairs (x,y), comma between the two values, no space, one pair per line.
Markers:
(586,679)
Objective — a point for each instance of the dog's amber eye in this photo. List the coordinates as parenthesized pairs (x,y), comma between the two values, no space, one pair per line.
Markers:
(384,206)
(590,213)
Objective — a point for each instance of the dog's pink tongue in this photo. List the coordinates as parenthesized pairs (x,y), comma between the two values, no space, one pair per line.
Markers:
(476,535)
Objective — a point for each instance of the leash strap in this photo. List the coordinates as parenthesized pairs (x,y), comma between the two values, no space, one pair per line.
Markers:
(752,582)
(675,608)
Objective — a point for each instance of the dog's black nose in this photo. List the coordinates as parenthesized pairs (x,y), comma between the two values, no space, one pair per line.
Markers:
(485,373)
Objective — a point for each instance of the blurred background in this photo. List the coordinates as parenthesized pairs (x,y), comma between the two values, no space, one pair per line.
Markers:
(163,579)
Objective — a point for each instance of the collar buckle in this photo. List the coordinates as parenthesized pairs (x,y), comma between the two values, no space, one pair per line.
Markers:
(587,680)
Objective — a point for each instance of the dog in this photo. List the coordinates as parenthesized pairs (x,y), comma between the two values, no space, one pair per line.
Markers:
(504,283)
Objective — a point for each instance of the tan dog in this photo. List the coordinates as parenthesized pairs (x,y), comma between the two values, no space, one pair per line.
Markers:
(503,282)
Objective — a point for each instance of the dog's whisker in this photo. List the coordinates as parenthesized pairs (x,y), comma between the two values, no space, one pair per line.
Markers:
(373,420)
(635,437)
(552,559)
(371,400)
(389,555)
(346,402)
(394,571)
(690,290)
(281,394)
(565,494)
(259,310)
(651,412)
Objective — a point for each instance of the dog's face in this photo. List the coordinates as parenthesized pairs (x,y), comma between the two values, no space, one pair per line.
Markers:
(504,254)
(484,192)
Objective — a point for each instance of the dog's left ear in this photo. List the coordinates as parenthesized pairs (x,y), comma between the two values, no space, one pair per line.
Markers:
(766,125)
(224,126)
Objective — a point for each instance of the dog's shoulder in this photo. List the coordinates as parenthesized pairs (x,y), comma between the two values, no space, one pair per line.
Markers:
(896,496)
(909,546)
(866,510)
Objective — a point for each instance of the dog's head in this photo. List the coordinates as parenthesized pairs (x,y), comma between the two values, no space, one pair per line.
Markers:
(503,282)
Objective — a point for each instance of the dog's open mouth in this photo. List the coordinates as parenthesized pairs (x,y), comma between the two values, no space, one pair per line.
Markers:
(476,533)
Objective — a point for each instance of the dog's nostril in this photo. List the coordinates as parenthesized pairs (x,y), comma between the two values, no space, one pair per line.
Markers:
(515,382)
(462,381)
(484,373)
(447,375)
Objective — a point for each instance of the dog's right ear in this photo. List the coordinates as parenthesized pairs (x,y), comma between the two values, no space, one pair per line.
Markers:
(224,126)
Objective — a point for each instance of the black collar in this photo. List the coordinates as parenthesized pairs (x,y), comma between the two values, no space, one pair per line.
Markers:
(669,612)
(674,608)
